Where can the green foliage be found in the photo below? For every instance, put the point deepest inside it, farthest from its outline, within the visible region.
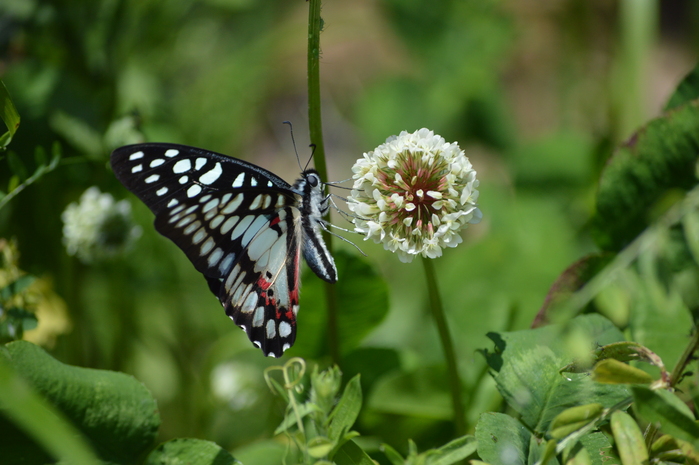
(520, 86)
(115, 412)
(189, 451)
(9, 116)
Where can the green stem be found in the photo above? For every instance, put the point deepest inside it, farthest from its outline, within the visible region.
(447, 346)
(315, 127)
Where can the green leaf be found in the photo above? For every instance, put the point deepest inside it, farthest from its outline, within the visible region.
(502, 439)
(611, 371)
(526, 368)
(290, 418)
(392, 455)
(574, 418)
(16, 286)
(668, 411)
(629, 439)
(351, 454)
(9, 115)
(600, 449)
(319, 446)
(687, 91)
(659, 157)
(359, 312)
(659, 318)
(346, 411)
(453, 451)
(113, 410)
(38, 420)
(190, 452)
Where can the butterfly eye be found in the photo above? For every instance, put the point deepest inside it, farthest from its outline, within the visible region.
(313, 180)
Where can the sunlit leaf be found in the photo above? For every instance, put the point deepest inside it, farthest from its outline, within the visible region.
(686, 91)
(628, 439)
(502, 439)
(190, 451)
(28, 415)
(526, 367)
(345, 413)
(351, 454)
(658, 157)
(9, 115)
(120, 418)
(668, 411)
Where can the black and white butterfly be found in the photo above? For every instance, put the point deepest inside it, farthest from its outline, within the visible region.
(243, 228)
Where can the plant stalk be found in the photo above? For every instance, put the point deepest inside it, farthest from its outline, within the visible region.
(315, 127)
(447, 346)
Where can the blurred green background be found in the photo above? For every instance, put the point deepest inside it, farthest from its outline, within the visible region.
(537, 94)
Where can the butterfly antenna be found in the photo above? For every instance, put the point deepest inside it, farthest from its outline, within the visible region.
(293, 142)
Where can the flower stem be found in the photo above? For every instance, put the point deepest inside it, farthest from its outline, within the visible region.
(447, 346)
(315, 127)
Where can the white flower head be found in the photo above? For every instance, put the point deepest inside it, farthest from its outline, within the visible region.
(97, 227)
(414, 193)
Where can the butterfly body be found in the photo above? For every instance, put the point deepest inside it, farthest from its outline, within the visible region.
(242, 227)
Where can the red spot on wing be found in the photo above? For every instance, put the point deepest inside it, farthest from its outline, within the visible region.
(274, 221)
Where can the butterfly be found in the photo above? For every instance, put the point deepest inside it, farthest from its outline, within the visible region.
(243, 227)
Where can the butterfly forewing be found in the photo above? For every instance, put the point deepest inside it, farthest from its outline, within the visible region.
(240, 225)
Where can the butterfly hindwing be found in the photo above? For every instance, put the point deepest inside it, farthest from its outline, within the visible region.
(241, 226)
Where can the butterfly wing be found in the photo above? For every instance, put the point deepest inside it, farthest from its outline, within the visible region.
(238, 224)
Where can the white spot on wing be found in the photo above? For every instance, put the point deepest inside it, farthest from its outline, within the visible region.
(259, 317)
(212, 175)
(162, 191)
(194, 190)
(285, 347)
(172, 203)
(250, 303)
(136, 156)
(271, 329)
(192, 227)
(199, 163)
(233, 204)
(207, 246)
(172, 153)
(217, 221)
(152, 178)
(199, 236)
(226, 263)
(239, 180)
(230, 222)
(182, 166)
(137, 168)
(211, 205)
(257, 202)
(156, 162)
(242, 226)
(183, 179)
(269, 184)
(284, 329)
(253, 181)
(215, 256)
